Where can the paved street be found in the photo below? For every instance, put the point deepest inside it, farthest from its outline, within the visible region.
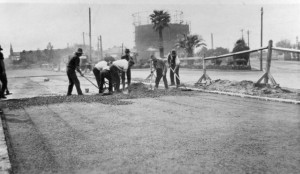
(287, 74)
(201, 133)
(172, 134)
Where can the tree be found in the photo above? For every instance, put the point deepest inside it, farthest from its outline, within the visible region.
(241, 59)
(189, 42)
(285, 43)
(160, 20)
(213, 52)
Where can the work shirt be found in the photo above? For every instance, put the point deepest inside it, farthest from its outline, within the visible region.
(1, 56)
(73, 63)
(127, 57)
(159, 64)
(2, 59)
(121, 64)
(102, 65)
(173, 60)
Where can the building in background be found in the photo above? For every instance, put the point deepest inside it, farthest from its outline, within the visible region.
(146, 38)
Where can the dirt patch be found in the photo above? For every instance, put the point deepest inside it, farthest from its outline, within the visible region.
(250, 88)
(137, 90)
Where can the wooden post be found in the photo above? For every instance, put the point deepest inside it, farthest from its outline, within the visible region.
(204, 67)
(204, 75)
(268, 64)
(261, 36)
(122, 49)
(101, 50)
(151, 64)
(267, 75)
(90, 35)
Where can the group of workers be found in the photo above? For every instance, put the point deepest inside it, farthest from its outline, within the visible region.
(111, 71)
(161, 68)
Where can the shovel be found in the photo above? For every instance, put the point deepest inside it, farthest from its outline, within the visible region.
(185, 88)
(91, 82)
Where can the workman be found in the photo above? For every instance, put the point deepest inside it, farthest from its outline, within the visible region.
(3, 77)
(128, 72)
(174, 63)
(73, 65)
(105, 74)
(117, 67)
(161, 71)
(100, 66)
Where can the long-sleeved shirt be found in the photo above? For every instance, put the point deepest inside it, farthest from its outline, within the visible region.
(121, 64)
(2, 67)
(173, 60)
(102, 65)
(159, 64)
(73, 63)
(127, 57)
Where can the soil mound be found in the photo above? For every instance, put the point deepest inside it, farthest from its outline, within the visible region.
(137, 90)
(251, 88)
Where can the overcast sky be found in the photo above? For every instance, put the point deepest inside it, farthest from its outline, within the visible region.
(32, 24)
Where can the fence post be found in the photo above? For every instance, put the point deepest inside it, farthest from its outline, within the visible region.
(204, 75)
(267, 75)
(268, 64)
(204, 67)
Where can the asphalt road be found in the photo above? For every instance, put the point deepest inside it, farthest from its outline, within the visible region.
(176, 134)
(203, 133)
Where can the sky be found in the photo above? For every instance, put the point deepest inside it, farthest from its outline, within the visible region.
(32, 24)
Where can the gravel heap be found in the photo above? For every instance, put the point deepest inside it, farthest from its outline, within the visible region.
(137, 90)
(250, 88)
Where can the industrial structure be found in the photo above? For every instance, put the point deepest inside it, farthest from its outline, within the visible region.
(146, 38)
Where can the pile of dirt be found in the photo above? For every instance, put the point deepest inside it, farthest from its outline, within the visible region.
(137, 90)
(141, 90)
(251, 88)
(47, 100)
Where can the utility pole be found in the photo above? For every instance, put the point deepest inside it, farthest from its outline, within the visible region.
(98, 48)
(83, 38)
(101, 51)
(242, 34)
(261, 36)
(248, 38)
(90, 34)
(122, 49)
(297, 47)
(212, 41)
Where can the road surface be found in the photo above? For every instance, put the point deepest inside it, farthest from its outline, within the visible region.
(199, 133)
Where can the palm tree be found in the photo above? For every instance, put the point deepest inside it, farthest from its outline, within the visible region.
(160, 20)
(189, 42)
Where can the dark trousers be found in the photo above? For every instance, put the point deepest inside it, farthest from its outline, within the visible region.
(159, 75)
(3, 80)
(73, 80)
(172, 75)
(128, 74)
(98, 78)
(114, 71)
(105, 74)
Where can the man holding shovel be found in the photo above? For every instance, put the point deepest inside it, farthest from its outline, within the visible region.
(98, 68)
(174, 63)
(73, 65)
(118, 67)
(128, 72)
(161, 71)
